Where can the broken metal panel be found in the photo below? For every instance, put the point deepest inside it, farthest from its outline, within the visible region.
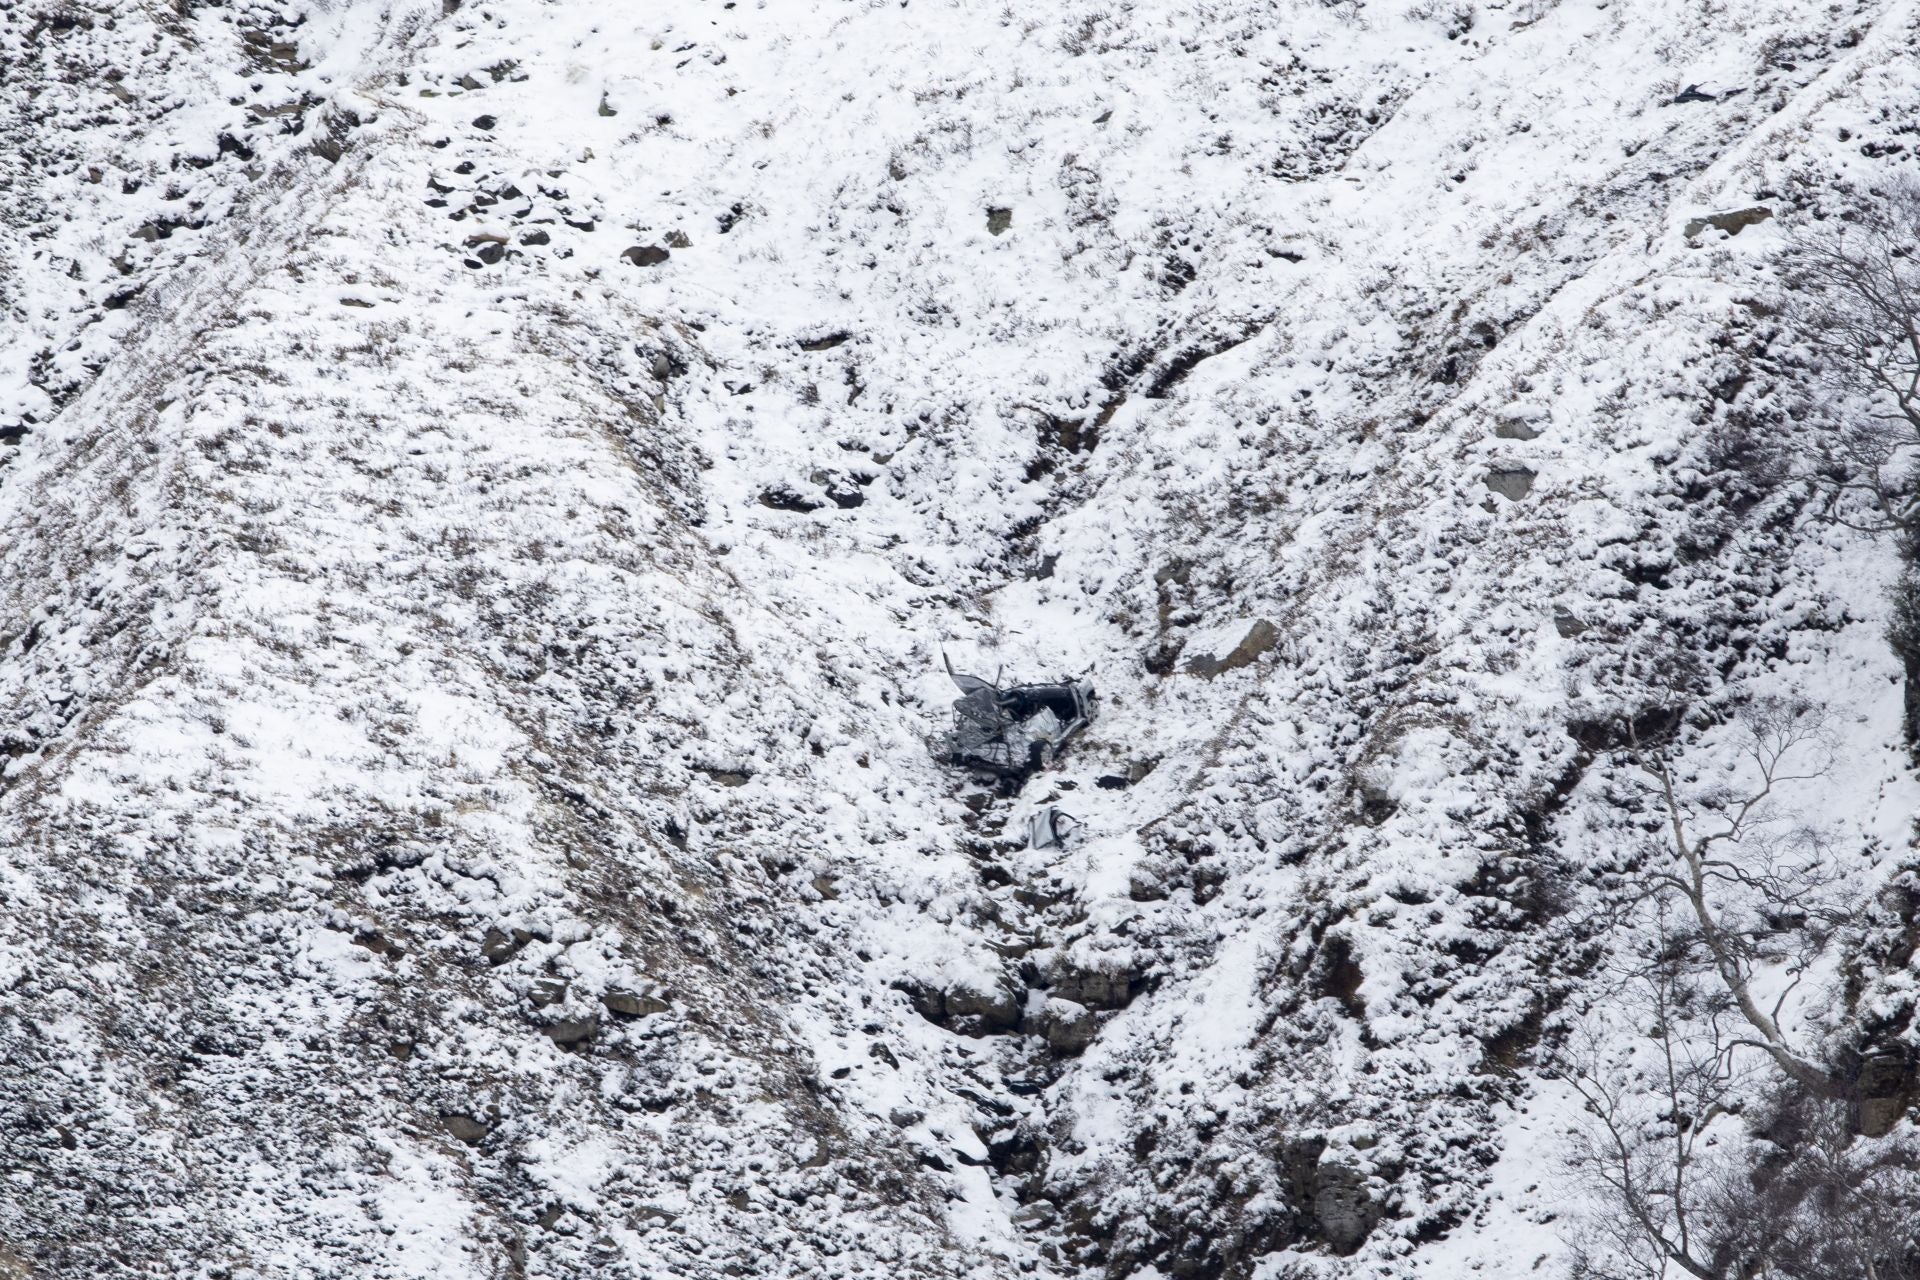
(1050, 828)
(1014, 732)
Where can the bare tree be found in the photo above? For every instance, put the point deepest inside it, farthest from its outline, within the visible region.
(1755, 893)
(1854, 298)
(1642, 1159)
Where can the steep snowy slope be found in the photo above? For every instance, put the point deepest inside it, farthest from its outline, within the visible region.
(489, 486)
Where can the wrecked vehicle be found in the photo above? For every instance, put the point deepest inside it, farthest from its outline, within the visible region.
(1013, 733)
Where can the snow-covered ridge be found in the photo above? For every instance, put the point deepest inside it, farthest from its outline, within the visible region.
(488, 487)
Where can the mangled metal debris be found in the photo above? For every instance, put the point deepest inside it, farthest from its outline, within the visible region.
(1050, 829)
(1013, 733)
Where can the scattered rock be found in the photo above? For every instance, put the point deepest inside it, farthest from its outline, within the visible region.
(678, 240)
(1566, 624)
(535, 238)
(548, 991)
(906, 1117)
(1260, 639)
(1342, 1210)
(999, 221)
(571, 1032)
(646, 255)
(498, 947)
(1731, 223)
(484, 123)
(1513, 483)
(631, 1004)
(488, 250)
(1517, 423)
(785, 499)
(469, 1129)
(1067, 1026)
(827, 343)
(1692, 93)
(842, 490)
(1103, 988)
(968, 1012)
(1885, 1081)
(1147, 884)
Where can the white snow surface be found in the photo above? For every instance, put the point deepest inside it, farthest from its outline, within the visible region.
(425, 623)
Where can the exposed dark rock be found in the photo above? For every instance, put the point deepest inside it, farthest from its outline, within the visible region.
(1731, 223)
(785, 499)
(646, 255)
(571, 1032)
(631, 1004)
(1260, 640)
(1107, 988)
(999, 221)
(1343, 1213)
(469, 1129)
(498, 947)
(969, 1012)
(1884, 1089)
(1513, 483)
(1067, 1027)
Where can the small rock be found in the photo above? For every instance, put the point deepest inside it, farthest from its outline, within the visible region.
(1260, 640)
(535, 238)
(1568, 626)
(906, 1117)
(1513, 483)
(1342, 1209)
(1516, 423)
(646, 255)
(678, 240)
(573, 1031)
(1731, 223)
(469, 1129)
(548, 991)
(785, 499)
(1145, 886)
(999, 221)
(631, 1004)
(498, 947)
(1067, 1027)
(484, 122)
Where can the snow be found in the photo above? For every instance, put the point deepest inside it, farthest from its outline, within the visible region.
(363, 601)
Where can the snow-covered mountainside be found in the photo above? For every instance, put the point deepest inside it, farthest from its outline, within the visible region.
(487, 487)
